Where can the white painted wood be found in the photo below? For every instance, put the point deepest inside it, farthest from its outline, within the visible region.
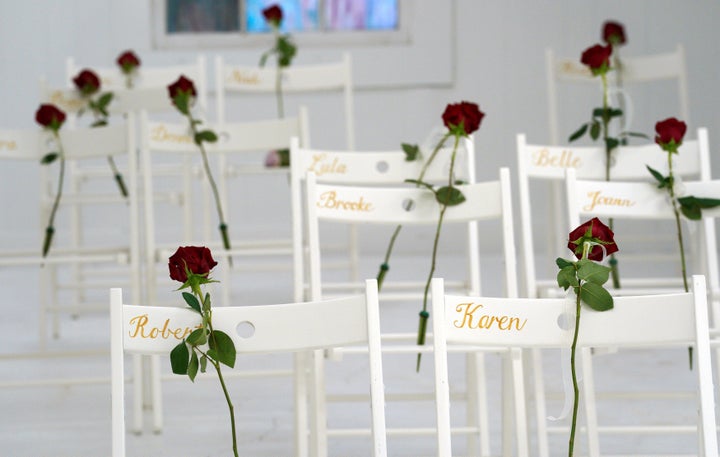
(294, 327)
(670, 320)
(374, 205)
(325, 77)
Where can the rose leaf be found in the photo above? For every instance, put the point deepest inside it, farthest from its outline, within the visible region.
(578, 133)
(192, 301)
(449, 196)
(222, 348)
(49, 158)
(596, 297)
(179, 358)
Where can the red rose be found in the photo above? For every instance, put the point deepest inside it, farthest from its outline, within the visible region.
(273, 14)
(593, 230)
(182, 92)
(182, 86)
(128, 61)
(50, 116)
(597, 58)
(87, 82)
(462, 118)
(195, 258)
(670, 133)
(613, 33)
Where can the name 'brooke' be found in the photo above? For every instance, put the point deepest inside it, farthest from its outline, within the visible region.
(329, 200)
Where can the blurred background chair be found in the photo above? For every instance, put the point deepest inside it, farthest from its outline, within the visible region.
(110, 248)
(236, 81)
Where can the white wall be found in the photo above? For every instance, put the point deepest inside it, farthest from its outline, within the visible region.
(491, 51)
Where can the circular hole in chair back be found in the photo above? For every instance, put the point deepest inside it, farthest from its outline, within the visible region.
(566, 321)
(408, 204)
(245, 329)
(382, 166)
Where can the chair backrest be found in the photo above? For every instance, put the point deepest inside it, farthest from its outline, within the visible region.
(79, 145)
(290, 327)
(411, 206)
(639, 69)
(234, 139)
(366, 168)
(538, 162)
(643, 200)
(336, 76)
(149, 91)
(671, 320)
(176, 190)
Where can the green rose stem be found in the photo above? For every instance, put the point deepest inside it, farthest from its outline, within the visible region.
(98, 110)
(223, 225)
(576, 390)
(385, 266)
(678, 225)
(422, 325)
(208, 317)
(50, 230)
(608, 156)
(278, 76)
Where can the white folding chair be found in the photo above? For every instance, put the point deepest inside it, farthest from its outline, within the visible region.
(544, 163)
(376, 206)
(371, 168)
(644, 201)
(635, 70)
(110, 250)
(296, 327)
(296, 79)
(657, 321)
(149, 91)
(170, 144)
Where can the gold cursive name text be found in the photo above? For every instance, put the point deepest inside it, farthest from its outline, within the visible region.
(486, 321)
(71, 104)
(329, 200)
(566, 159)
(10, 145)
(601, 200)
(320, 166)
(244, 77)
(139, 329)
(160, 133)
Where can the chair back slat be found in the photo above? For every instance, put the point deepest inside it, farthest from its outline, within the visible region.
(402, 205)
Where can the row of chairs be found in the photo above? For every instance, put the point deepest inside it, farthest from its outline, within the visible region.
(538, 153)
(639, 308)
(388, 203)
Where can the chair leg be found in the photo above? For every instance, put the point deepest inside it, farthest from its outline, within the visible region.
(318, 414)
(540, 406)
(301, 361)
(517, 379)
(475, 412)
(156, 393)
(137, 393)
(588, 393)
(42, 312)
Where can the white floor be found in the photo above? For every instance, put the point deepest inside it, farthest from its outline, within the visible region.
(57, 421)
